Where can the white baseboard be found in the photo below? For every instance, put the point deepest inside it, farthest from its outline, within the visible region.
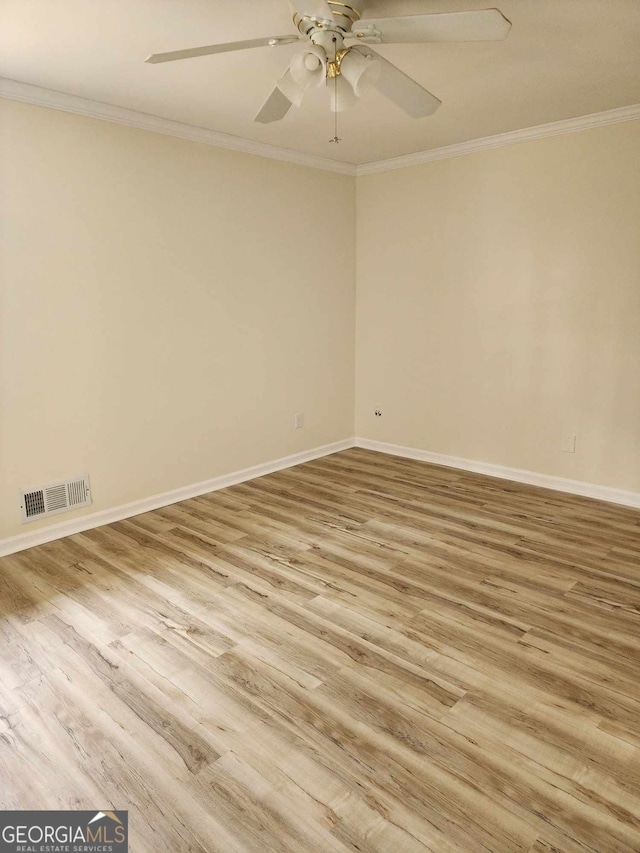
(518, 475)
(13, 544)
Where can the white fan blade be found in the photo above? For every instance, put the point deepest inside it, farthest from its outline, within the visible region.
(312, 9)
(207, 50)
(484, 25)
(401, 89)
(274, 108)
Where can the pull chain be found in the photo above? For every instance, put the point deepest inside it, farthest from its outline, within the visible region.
(336, 138)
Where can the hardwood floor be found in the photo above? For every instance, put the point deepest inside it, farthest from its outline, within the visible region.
(361, 653)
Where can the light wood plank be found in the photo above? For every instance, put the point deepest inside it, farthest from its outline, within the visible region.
(359, 653)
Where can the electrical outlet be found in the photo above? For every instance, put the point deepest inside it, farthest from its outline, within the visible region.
(298, 421)
(568, 442)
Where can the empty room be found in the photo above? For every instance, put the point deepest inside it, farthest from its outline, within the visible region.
(319, 426)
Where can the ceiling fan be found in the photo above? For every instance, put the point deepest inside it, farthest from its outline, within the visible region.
(338, 51)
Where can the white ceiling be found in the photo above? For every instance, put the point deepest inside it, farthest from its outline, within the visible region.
(563, 58)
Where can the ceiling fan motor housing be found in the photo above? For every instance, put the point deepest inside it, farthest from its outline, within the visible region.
(345, 15)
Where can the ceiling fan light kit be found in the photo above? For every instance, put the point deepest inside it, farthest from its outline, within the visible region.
(309, 67)
(338, 54)
(360, 70)
(341, 96)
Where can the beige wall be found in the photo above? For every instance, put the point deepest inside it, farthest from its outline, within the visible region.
(499, 306)
(163, 312)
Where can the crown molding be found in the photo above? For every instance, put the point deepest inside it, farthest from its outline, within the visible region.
(500, 140)
(16, 91)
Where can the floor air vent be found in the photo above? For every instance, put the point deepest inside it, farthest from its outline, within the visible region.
(55, 498)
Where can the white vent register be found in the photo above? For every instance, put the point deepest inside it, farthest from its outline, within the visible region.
(55, 498)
